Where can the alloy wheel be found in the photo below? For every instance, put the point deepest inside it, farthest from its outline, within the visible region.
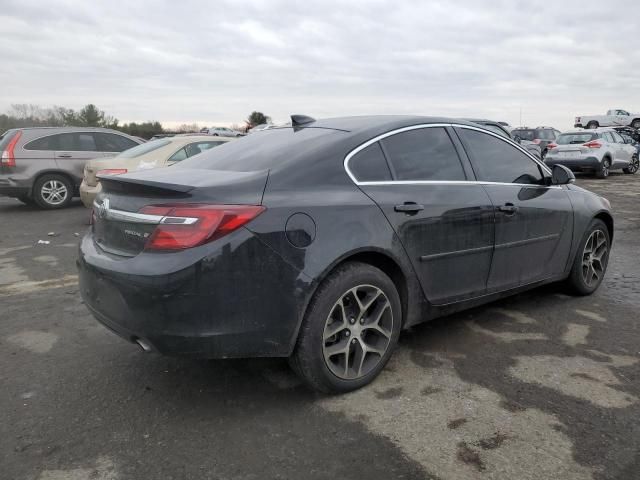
(605, 168)
(635, 164)
(594, 257)
(54, 192)
(357, 332)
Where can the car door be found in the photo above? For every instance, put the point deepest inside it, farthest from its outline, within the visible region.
(623, 151)
(443, 221)
(73, 149)
(534, 220)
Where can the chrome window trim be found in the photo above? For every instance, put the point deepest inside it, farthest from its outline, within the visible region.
(427, 182)
(134, 217)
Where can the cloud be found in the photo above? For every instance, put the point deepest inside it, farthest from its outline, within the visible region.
(195, 61)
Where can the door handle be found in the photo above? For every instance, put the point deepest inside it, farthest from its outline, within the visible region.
(508, 208)
(66, 155)
(409, 208)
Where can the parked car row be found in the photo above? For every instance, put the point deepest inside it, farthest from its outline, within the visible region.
(321, 241)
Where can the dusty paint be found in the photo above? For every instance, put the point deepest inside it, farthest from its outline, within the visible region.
(576, 334)
(577, 376)
(506, 336)
(33, 340)
(591, 315)
(103, 469)
(419, 425)
(19, 288)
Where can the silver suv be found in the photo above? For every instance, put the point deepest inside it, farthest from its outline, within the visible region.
(598, 151)
(44, 165)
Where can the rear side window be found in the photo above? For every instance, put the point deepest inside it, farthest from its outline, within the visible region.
(423, 154)
(110, 142)
(44, 143)
(68, 142)
(545, 134)
(524, 134)
(495, 160)
(369, 165)
(178, 156)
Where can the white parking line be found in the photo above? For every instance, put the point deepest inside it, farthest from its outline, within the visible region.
(19, 288)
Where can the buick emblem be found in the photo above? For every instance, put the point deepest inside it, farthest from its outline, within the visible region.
(103, 209)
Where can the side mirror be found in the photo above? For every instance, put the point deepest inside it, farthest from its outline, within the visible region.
(561, 175)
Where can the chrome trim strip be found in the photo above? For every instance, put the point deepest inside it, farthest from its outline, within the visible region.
(456, 182)
(133, 217)
(469, 251)
(427, 182)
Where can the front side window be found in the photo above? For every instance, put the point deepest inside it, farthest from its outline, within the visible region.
(423, 154)
(369, 165)
(607, 137)
(495, 160)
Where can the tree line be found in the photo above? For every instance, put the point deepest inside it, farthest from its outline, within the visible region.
(27, 115)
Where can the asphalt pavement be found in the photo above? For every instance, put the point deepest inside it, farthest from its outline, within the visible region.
(542, 385)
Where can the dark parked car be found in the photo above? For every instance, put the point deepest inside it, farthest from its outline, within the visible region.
(501, 129)
(541, 136)
(321, 241)
(44, 165)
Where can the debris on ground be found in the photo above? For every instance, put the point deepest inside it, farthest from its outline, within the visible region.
(43, 242)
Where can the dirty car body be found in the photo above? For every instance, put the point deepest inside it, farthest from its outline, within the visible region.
(300, 202)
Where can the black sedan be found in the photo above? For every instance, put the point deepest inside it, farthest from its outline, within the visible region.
(323, 240)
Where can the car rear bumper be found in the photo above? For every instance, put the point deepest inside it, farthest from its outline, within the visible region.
(88, 194)
(239, 299)
(13, 188)
(575, 164)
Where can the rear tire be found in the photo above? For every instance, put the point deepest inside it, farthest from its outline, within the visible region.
(350, 329)
(633, 166)
(52, 191)
(636, 123)
(604, 169)
(590, 262)
(592, 125)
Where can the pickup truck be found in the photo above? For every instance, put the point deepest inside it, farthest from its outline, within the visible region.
(613, 118)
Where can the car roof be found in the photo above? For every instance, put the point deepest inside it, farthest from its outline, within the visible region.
(72, 129)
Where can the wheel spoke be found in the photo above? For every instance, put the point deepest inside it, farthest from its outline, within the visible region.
(338, 324)
(339, 348)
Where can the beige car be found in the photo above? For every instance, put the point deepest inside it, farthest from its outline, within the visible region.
(154, 154)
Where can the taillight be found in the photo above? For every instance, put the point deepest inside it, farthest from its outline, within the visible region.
(577, 119)
(8, 158)
(190, 225)
(552, 145)
(111, 171)
(593, 144)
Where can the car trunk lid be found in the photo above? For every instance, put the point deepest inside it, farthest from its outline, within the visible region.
(120, 224)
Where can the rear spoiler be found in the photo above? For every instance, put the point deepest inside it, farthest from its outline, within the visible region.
(228, 186)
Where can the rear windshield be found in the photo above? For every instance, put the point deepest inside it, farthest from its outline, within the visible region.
(524, 134)
(545, 134)
(262, 151)
(575, 138)
(144, 148)
(5, 138)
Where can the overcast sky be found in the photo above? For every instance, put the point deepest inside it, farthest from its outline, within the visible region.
(215, 62)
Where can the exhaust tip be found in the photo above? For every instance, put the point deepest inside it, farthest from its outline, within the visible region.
(146, 346)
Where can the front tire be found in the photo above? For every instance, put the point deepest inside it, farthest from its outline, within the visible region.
(350, 329)
(592, 257)
(52, 191)
(634, 165)
(636, 123)
(592, 125)
(604, 169)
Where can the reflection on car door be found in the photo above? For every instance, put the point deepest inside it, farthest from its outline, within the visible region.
(73, 150)
(533, 222)
(444, 222)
